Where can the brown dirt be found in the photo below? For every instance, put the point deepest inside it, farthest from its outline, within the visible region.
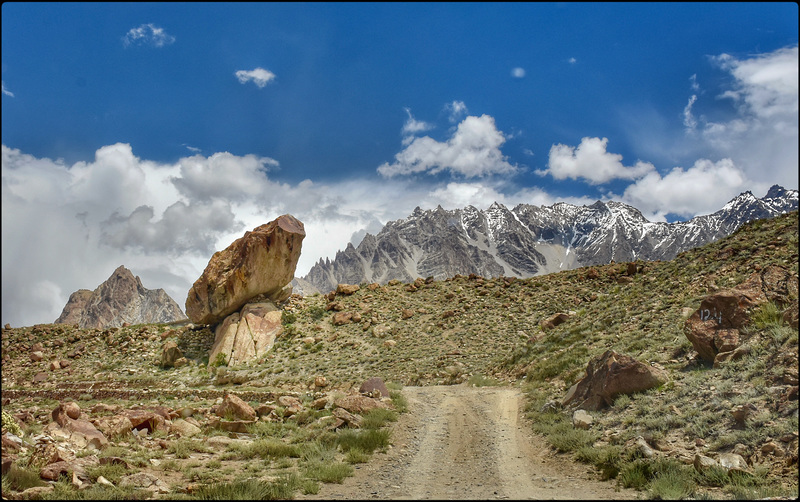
(461, 442)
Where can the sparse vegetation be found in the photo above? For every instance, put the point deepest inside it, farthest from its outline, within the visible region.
(462, 331)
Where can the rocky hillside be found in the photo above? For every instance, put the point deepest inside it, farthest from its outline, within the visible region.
(474, 330)
(530, 240)
(120, 299)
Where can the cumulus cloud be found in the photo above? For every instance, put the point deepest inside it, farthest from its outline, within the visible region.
(68, 226)
(222, 175)
(259, 76)
(182, 228)
(413, 126)
(702, 189)
(592, 162)
(572, 60)
(762, 136)
(147, 34)
(6, 91)
(455, 111)
(518, 72)
(472, 151)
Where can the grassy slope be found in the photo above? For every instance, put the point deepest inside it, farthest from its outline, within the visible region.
(462, 328)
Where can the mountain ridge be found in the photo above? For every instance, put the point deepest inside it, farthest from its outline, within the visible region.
(530, 240)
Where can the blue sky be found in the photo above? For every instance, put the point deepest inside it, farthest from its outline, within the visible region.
(153, 134)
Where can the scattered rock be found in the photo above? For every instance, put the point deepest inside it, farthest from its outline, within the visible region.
(714, 327)
(733, 462)
(170, 353)
(554, 320)
(581, 419)
(703, 463)
(346, 417)
(341, 318)
(236, 407)
(346, 289)
(358, 404)
(610, 375)
(373, 385)
(184, 428)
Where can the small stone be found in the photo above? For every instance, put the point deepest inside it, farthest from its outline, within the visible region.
(581, 419)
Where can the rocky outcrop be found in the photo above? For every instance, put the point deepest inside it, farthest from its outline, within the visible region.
(247, 335)
(261, 263)
(714, 329)
(120, 299)
(609, 375)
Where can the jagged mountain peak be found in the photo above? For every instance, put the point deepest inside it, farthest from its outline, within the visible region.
(531, 240)
(120, 298)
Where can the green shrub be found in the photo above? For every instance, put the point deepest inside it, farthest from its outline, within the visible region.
(377, 418)
(672, 481)
(482, 381)
(327, 472)
(357, 456)
(250, 489)
(608, 459)
(112, 472)
(367, 440)
(767, 315)
(10, 424)
(399, 401)
(21, 478)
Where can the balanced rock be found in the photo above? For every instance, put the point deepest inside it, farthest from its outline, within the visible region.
(246, 335)
(121, 298)
(262, 262)
(609, 375)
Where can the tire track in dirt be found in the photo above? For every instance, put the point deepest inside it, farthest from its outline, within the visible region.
(459, 442)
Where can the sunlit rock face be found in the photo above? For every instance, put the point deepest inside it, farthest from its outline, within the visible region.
(259, 264)
(120, 299)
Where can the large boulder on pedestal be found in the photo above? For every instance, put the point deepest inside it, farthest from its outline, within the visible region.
(262, 262)
(609, 375)
(247, 335)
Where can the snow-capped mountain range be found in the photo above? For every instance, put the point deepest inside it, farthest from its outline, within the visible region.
(531, 240)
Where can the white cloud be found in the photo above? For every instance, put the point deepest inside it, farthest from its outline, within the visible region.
(762, 137)
(223, 175)
(693, 80)
(473, 150)
(766, 85)
(6, 91)
(147, 34)
(518, 72)
(592, 162)
(572, 60)
(455, 111)
(413, 126)
(259, 76)
(702, 189)
(688, 119)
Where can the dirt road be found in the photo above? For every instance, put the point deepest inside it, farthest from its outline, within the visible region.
(459, 442)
